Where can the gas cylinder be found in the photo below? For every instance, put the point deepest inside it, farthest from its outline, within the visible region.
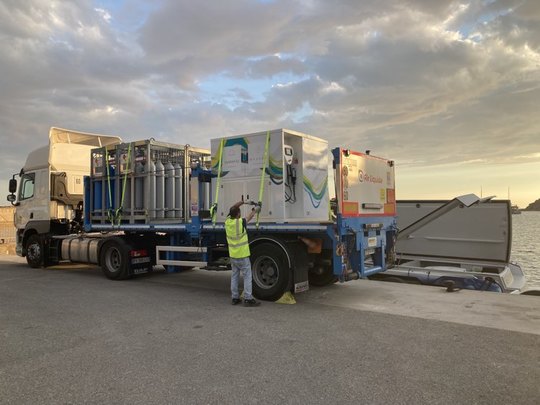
(160, 190)
(169, 190)
(139, 185)
(177, 190)
(110, 189)
(125, 193)
(206, 196)
(150, 189)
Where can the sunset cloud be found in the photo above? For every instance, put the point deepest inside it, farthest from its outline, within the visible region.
(426, 83)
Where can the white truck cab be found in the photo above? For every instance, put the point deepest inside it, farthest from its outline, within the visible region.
(49, 195)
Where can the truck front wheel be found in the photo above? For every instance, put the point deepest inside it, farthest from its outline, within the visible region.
(271, 274)
(34, 251)
(114, 259)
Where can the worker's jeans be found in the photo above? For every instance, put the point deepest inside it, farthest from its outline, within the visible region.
(244, 266)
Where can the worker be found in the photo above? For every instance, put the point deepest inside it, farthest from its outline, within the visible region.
(237, 239)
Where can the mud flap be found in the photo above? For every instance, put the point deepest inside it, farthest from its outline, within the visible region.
(299, 267)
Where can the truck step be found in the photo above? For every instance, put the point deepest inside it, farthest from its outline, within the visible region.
(180, 262)
(188, 263)
(193, 249)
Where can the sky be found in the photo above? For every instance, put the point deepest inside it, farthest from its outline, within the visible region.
(449, 90)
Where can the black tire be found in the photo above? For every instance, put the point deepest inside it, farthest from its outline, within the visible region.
(271, 273)
(319, 276)
(35, 253)
(114, 258)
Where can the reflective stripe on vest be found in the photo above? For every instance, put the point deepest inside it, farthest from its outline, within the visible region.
(237, 238)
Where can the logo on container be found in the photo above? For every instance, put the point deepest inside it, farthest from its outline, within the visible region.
(368, 178)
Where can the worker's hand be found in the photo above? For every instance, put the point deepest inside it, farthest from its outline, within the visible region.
(256, 209)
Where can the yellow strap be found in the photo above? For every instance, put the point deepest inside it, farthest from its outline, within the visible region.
(218, 182)
(109, 209)
(118, 212)
(261, 186)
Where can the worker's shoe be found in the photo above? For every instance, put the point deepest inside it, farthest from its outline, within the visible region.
(236, 301)
(251, 303)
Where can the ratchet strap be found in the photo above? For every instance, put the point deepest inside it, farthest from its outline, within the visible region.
(118, 212)
(263, 171)
(110, 215)
(213, 208)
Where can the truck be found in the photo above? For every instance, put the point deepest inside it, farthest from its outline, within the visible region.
(131, 206)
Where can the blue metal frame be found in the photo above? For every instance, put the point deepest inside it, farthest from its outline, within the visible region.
(351, 240)
(87, 205)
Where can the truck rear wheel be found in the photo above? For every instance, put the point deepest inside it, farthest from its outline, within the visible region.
(321, 276)
(114, 259)
(271, 274)
(35, 251)
(321, 272)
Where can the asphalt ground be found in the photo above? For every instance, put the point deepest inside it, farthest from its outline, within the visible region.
(69, 335)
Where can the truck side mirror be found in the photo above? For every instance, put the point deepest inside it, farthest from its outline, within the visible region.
(11, 198)
(12, 186)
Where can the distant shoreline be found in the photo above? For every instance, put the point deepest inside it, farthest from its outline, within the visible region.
(534, 206)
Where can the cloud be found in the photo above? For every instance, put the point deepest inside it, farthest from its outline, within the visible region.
(424, 82)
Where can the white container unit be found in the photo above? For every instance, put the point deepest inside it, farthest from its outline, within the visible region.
(295, 182)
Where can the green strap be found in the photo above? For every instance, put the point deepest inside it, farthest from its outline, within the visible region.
(213, 208)
(118, 212)
(109, 209)
(261, 186)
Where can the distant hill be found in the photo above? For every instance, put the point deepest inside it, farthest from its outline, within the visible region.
(534, 206)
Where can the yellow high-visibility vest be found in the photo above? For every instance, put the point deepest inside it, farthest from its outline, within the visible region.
(237, 238)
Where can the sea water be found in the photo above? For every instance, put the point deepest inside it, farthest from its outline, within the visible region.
(526, 245)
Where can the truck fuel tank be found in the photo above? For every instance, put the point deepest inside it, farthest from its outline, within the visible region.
(80, 249)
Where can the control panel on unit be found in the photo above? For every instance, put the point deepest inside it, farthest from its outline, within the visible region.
(288, 153)
(290, 183)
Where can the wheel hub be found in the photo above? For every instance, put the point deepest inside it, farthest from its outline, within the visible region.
(34, 251)
(265, 272)
(113, 260)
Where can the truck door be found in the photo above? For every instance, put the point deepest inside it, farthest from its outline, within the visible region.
(33, 201)
(26, 194)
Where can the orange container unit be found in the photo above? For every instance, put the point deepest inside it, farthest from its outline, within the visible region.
(365, 185)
